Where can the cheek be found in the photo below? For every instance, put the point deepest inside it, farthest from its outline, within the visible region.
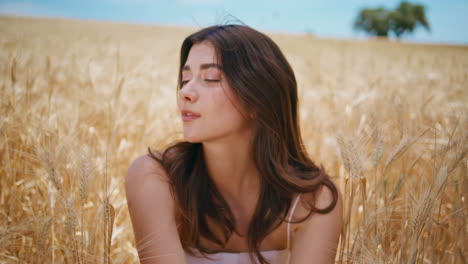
(225, 109)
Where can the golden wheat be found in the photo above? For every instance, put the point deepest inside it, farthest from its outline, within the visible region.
(81, 100)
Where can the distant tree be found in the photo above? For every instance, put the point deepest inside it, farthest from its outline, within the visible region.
(406, 17)
(374, 21)
(381, 21)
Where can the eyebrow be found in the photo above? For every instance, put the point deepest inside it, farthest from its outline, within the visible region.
(204, 66)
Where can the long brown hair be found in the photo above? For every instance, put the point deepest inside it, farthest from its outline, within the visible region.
(265, 84)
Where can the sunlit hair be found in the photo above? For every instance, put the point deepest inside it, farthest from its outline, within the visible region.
(264, 82)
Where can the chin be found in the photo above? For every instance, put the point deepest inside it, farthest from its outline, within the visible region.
(192, 138)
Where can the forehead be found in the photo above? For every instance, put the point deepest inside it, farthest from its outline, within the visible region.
(201, 53)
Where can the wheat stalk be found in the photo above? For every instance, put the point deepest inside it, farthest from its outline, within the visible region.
(66, 108)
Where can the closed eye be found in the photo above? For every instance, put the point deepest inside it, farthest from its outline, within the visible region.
(183, 83)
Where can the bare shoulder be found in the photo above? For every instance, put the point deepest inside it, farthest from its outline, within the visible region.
(318, 236)
(146, 181)
(325, 196)
(151, 207)
(321, 199)
(143, 166)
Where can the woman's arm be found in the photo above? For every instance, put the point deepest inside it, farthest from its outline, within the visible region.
(151, 208)
(316, 240)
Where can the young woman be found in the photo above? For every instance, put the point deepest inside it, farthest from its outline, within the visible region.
(240, 188)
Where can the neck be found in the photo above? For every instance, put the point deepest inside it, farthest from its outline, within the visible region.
(233, 171)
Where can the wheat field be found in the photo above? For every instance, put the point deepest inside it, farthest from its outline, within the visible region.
(81, 100)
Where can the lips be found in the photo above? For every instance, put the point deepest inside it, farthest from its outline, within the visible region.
(188, 115)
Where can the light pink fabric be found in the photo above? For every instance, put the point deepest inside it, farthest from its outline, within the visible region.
(273, 256)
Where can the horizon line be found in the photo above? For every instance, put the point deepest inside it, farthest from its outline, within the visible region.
(269, 31)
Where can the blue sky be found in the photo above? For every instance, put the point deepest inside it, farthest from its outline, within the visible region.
(327, 18)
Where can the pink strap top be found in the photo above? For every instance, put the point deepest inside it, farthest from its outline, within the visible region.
(273, 256)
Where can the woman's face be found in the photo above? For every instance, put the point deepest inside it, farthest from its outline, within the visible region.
(206, 92)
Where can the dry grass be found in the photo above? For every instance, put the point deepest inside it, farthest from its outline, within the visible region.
(80, 100)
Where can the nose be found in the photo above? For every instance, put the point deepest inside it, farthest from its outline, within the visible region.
(188, 93)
